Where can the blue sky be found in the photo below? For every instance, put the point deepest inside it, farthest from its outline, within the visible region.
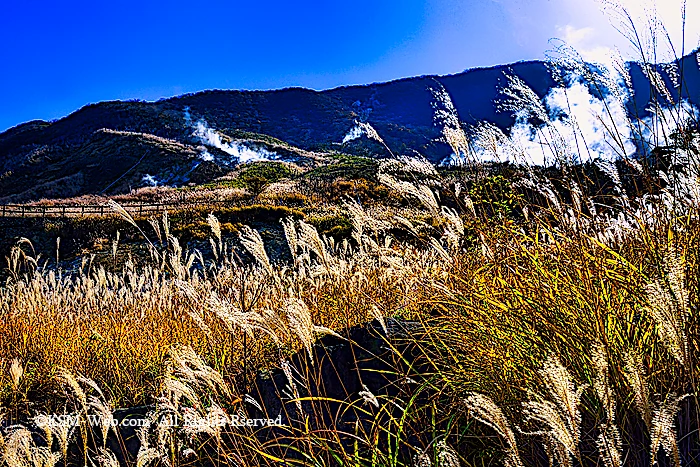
(59, 56)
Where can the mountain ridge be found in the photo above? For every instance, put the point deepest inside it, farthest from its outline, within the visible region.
(38, 152)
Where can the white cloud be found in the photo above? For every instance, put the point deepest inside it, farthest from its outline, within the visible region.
(669, 13)
(574, 35)
(589, 26)
(585, 41)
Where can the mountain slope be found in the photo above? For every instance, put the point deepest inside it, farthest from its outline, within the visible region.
(169, 138)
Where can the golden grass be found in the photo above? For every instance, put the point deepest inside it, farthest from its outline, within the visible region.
(558, 322)
(494, 313)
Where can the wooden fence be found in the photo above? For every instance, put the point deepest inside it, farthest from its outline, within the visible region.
(75, 210)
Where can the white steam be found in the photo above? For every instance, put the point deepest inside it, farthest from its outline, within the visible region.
(578, 127)
(239, 151)
(354, 133)
(150, 180)
(574, 126)
(665, 118)
(582, 127)
(363, 129)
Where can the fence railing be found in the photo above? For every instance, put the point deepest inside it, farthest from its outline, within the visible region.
(75, 210)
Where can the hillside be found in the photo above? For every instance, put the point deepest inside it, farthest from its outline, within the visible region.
(281, 291)
(111, 147)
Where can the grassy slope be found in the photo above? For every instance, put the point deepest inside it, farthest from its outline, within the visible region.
(576, 320)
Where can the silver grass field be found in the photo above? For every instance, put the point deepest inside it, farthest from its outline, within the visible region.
(559, 325)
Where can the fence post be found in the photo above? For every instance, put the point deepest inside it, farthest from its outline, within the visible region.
(140, 209)
(23, 210)
(3, 210)
(43, 212)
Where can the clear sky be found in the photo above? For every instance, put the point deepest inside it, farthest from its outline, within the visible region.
(58, 56)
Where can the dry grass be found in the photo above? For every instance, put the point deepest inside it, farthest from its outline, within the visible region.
(496, 312)
(565, 322)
